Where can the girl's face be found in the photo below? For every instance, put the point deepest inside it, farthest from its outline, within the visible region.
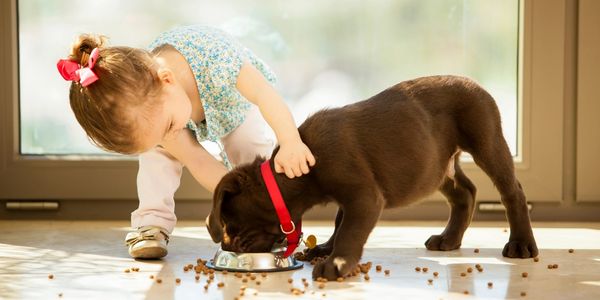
(168, 119)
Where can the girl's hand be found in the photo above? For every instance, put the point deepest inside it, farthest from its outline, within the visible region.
(293, 158)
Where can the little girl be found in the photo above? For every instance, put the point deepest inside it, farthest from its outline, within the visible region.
(195, 84)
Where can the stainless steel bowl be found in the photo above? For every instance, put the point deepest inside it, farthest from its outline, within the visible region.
(254, 262)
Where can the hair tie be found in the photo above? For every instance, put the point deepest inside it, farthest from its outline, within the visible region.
(73, 71)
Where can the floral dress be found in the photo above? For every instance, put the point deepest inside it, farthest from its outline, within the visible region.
(215, 59)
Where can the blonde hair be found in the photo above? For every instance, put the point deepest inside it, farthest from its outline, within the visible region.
(108, 108)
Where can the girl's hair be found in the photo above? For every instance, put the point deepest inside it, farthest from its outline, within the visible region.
(108, 108)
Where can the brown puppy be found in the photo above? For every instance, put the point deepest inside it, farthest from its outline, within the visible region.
(387, 151)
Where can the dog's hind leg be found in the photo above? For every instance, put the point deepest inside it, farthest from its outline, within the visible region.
(325, 248)
(496, 161)
(460, 192)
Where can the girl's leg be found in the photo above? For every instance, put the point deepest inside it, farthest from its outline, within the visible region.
(251, 138)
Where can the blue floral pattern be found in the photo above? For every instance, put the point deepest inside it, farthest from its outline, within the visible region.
(215, 59)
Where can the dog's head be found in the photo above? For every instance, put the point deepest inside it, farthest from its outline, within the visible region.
(243, 218)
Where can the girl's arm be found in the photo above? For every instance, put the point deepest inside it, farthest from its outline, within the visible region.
(294, 156)
(206, 169)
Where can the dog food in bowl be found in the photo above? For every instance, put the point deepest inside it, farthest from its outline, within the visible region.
(253, 262)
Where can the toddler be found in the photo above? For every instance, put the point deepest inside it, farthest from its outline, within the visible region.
(194, 84)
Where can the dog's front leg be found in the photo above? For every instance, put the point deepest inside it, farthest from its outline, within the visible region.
(325, 248)
(359, 219)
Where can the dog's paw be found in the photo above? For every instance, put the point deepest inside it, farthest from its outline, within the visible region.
(318, 251)
(520, 249)
(333, 267)
(442, 243)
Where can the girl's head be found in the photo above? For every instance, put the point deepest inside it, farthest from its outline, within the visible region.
(124, 110)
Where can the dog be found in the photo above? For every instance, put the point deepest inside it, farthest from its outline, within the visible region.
(387, 151)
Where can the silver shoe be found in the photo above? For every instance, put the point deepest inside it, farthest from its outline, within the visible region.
(148, 242)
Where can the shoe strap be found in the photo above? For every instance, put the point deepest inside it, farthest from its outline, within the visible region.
(150, 233)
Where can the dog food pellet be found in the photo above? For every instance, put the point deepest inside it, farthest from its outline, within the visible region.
(252, 277)
(225, 272)
(418, 269)
(378, 268)
(158, 280)
(177, 280)
(245, 280)
(290, 280)
(340, 279)
(430, 281)
(387, 272)
(60, 295)
(263, 274)
(50, 276)
(435, 274)
(321, 285)
(127, 270)
(238, 275)
(463, 274)
(469, 269)
(197, 277)
(367, 277)
(554, 266)
(536, 259)
(303, 279)
(306, 284)
(523, 294)
(524, 274)
(185, 269)
(248, 274)
(151, 276)
(466, 292)
(258, 282)
(425, 269)
(476, 250)
(490, 284)
(477, 266)
(189, 266)
(571, 250)
(206, 287)
(504, 230)
(220, 284)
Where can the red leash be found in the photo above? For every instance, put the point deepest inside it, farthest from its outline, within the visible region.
(287, 226)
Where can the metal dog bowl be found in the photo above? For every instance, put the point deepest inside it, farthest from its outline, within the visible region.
(253, 262)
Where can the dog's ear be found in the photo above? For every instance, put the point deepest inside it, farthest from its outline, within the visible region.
(228, 187)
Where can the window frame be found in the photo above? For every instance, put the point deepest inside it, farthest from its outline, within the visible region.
(539, 167)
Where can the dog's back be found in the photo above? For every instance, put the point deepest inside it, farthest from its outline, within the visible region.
(402, 137)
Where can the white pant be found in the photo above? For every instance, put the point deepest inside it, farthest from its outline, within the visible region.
(159, 173)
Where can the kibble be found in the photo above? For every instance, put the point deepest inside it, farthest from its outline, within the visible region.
(50, 276)
(60, 295)
(571, 250)
(476, 250)
(258, 282)
(263, 274)
(466, 292)
(252, 277)
(127, 270)
(536, 259)
(430, 281)
(378, 268)
(340, 279)
(469, 269)
(524, 274)
(435, 274)
(418, 269)
(463, 274)
(158, 280)
(206, 287)
(245, 280)
(197, 277)
(387, 272)
(290, 280)
(490, 284)
(151, 276)
(554, 266)
(220, 284)
(321, 285)
(523, 294)
(367, 277)
(177, 280)
(425, 269)
(185, 269)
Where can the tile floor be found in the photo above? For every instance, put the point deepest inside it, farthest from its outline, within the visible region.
(87, 261)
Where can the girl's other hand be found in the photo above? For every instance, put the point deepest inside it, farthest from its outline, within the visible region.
(293, 159)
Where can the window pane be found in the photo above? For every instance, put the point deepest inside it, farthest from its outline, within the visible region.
(325, 54)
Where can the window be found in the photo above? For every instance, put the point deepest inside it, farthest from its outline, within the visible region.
(324, 54)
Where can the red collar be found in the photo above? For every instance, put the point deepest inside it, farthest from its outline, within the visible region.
(287, 226)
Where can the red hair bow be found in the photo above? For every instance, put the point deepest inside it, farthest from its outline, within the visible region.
(73, 71)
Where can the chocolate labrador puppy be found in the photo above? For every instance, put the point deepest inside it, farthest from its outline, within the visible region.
(387, 151)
